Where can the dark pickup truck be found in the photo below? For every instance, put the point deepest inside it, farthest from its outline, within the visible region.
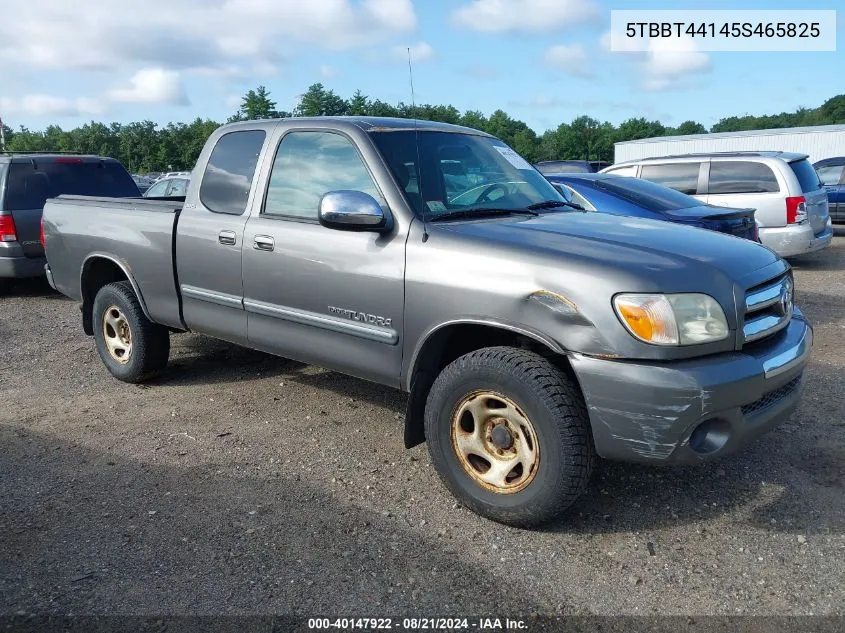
(530, 336)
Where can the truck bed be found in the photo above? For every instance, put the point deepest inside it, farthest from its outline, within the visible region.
(137, 234)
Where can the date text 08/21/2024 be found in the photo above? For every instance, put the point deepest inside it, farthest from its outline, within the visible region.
(418, 624)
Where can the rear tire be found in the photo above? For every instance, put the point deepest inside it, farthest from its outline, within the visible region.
(529, 471)
(132, 347)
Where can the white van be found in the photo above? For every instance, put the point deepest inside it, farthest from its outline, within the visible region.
(784, 189)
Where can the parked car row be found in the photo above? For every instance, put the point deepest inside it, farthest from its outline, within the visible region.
(793, 204)
(531, 335)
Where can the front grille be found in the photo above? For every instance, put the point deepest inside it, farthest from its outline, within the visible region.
(772, 397)
(768, 308)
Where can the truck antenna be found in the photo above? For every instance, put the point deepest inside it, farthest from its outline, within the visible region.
(417, 142)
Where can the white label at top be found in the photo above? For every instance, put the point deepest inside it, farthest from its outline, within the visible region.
(730, 30)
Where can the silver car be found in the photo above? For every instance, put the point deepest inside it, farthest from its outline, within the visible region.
(168, 187)
(791, 204)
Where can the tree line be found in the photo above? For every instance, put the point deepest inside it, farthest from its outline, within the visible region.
(145, 146)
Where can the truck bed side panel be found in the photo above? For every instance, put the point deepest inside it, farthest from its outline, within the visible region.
(136, 234)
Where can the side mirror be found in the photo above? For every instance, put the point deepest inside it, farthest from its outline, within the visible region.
(352, 211)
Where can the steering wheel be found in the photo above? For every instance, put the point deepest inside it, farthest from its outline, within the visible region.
(485, 195)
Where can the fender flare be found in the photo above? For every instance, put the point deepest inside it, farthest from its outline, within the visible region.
(126, 271)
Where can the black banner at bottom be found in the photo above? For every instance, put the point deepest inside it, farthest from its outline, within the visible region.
(526, 624)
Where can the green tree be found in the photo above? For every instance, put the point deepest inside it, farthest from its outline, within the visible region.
(637, 128)
(359, 104)
(257, 104)
(317, 101)
(689, 127)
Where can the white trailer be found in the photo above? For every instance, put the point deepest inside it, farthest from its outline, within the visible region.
(821, 141)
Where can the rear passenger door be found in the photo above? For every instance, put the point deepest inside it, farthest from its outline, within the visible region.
(686, 177)
(324, 296)
(210, 235)
(748, 184)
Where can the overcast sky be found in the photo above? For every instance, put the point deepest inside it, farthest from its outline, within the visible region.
(543, 61)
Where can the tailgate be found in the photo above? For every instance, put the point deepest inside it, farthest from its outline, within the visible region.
(814, 195)
(28, 229)
(817, 209)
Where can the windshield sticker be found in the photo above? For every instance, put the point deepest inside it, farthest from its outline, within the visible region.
(436, 206)
(512, 157)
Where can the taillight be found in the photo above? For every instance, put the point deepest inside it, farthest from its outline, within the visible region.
(67, 159)
(796, 209)
(41, 233)
(8, 233)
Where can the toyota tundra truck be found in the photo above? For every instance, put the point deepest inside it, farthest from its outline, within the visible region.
(531, 336)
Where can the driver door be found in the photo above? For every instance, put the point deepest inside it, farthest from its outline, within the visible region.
(324, 296)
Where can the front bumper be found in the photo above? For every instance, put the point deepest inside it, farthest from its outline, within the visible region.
(694, 410)
(796, 239)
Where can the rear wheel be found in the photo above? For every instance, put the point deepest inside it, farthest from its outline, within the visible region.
(509, 435)
(132, 347)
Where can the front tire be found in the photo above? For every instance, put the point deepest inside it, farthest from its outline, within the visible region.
(132, 347)
(509, 435)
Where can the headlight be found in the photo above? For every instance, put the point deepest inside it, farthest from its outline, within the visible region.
(678, 319)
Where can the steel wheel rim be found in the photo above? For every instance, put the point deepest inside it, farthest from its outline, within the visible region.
(117, 335)
(494, 466)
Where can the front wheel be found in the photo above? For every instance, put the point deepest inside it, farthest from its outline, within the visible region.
(132, 347)
(509, 435)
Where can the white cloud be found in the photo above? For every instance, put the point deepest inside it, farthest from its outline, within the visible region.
(571, 59)
(671, 63)
(152, 85)
(233, 101)
(327, 72)
(35, 105)
(532, 16)
(189, 34)
(420, 52)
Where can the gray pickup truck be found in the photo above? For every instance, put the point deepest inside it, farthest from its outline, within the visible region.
(530, 336)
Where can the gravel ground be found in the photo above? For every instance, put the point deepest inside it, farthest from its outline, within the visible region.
(240, 483)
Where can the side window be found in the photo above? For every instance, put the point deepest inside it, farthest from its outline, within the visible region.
(831, 174)
(310, 164)
(228, 175)
(157, 190)
(681, 177)
(178, 187)
(742, 177)
(630, 171)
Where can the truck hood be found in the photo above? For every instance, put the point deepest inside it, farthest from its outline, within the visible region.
(638, 244)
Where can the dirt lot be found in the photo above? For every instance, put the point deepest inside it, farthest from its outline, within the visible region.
(242, 483)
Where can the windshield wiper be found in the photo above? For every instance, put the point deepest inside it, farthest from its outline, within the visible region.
(551, 204)
(480, 212)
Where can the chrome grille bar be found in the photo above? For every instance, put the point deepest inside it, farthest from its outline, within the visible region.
(764, 311)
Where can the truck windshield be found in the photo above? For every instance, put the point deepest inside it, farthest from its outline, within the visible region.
(30, 184)
(450, 171)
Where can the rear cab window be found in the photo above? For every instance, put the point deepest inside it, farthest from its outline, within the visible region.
(807, 177)
(681, 177)
(227, 179)
(29, 184)
(742, 176)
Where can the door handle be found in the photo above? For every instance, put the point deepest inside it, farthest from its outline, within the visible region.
(228, 238)
(263, 243)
